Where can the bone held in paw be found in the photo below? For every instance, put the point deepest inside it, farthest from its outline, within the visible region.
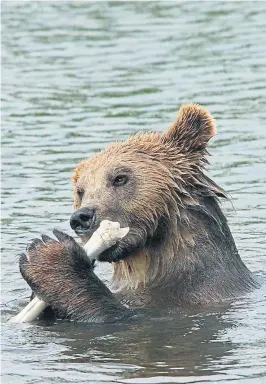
(104, 237)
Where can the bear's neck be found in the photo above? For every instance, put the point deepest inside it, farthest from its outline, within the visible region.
(197, 251)
(154, 264)
(133, 272)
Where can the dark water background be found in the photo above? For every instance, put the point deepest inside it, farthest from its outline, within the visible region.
(76, 76)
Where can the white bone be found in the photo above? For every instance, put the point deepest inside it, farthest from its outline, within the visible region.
(107, 234)
(30, 312)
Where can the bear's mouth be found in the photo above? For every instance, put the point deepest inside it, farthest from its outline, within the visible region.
(83, 232)
(126, 247)
(87, 228)
(84, 235)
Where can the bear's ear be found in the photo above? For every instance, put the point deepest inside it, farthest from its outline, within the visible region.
(192, 130)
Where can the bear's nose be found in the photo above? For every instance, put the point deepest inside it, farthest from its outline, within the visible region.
(82, 219)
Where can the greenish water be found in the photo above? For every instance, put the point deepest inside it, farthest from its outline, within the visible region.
(76, 76)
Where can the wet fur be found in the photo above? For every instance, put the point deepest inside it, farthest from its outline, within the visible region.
(179, 250)
(191, 249)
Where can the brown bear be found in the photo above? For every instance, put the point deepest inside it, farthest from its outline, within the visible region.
(179, 250)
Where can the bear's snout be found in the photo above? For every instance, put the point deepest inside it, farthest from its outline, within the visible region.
(83, 219)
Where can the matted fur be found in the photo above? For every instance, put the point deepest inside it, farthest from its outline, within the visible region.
(172, 188)
(179, 250)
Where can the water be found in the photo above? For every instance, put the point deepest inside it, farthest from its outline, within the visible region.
(77, 76)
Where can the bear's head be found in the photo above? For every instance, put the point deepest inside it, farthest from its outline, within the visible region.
(147, 183)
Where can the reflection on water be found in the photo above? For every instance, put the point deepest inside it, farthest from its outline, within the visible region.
(79, 75)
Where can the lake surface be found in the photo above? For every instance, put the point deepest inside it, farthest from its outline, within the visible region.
(76, 76)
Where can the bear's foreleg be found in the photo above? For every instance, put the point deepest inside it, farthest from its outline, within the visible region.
(61, 274)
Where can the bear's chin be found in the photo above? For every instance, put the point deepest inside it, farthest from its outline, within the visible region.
(117, 252)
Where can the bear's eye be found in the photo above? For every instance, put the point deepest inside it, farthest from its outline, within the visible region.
(120, 180)
(80, 193)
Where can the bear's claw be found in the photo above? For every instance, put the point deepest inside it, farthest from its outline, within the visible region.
(47, 239)
(23, 263)
(33, 245)
(23, 259)
(62, 236)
